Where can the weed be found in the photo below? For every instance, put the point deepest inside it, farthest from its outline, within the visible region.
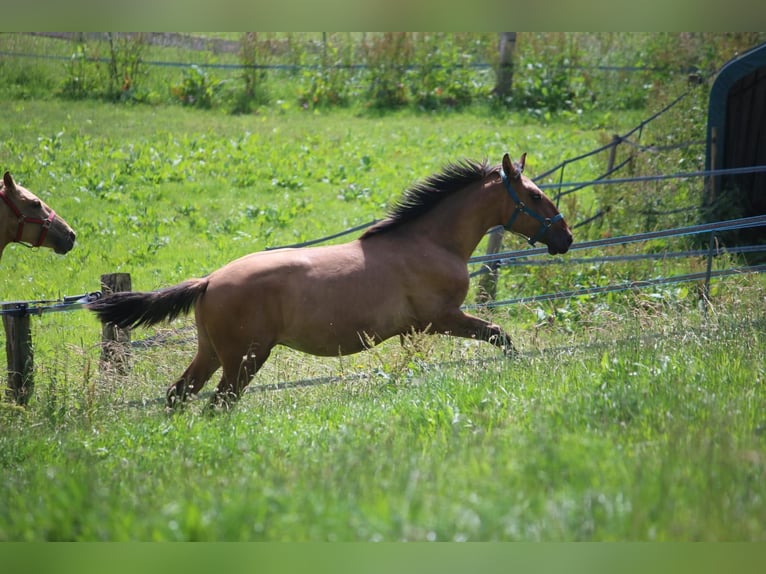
(197, 89)
(82, 75)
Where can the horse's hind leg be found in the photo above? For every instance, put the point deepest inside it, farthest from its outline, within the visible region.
(237, 374)
(193, 379)
(202, 367)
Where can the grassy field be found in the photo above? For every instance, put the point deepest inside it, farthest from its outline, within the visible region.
(635, 416)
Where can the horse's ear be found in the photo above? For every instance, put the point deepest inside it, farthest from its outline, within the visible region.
(513, 170)
(509, 168)
(8, 181)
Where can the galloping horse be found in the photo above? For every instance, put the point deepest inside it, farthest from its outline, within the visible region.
(35, 224)
(406, 273)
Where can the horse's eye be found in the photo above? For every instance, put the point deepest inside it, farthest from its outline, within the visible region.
(36, 204)
(536, 197)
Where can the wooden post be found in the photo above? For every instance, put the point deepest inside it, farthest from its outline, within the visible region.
(488, 282)
(18, 349)
(115, 342)
(612, 153)
(505, 65)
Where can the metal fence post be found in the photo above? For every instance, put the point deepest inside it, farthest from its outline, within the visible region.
(708, 271)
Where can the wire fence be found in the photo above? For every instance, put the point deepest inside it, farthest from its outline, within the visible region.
(521, 257)
(567, 188)
(185, 335)
(575, 186)
(482, 52)
(296, 67)
(67, 303)
(641, 338)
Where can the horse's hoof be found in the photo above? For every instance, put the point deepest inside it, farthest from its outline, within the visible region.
(174, 399)
(510, 352)
(221, 401)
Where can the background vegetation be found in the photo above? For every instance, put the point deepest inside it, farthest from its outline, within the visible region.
(426, 71)
(635, 415)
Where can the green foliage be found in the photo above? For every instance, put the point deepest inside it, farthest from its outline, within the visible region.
(387, 58)
(115, 74)
(330, 82)
(544, 76)
(559, 71)
(554, 72)
(443, 77)
(254, 54)
(198, 88)
(82, 75)
(125, 67)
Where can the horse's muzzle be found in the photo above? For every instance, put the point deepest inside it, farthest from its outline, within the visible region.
(559, 241)
(64, 242)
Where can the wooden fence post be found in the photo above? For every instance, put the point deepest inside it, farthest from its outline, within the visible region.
(505, 65)
(612, 153)
(487, 288)
(19, 353)
(115, 342)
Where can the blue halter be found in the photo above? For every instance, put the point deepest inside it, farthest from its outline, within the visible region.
(521, 207)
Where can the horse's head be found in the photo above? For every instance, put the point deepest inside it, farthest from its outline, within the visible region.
(29, 221)
(529, 212)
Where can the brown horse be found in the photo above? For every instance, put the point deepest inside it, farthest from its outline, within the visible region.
(406, 273)
(25, 219)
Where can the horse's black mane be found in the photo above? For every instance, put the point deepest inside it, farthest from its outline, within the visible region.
(424, 195)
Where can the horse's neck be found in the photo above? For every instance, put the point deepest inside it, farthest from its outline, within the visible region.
(5, 223)
(460, 222)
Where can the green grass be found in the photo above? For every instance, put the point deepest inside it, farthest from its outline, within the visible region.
(632, 416)
(640, 439)
(164, 176)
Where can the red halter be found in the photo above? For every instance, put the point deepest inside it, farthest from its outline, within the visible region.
(44, 224)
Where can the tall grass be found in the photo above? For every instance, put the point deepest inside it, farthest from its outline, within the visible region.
(634, 437)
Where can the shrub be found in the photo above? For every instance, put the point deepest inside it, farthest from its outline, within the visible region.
(330, 83)
(125, 67)
(197, 88)
(387, 57)
(443, 75)
(83, 75)
(545, 73)
(254, 55)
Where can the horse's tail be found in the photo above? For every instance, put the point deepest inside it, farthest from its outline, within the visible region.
(134, 308)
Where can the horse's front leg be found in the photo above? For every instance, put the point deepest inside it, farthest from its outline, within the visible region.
(461, 324)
